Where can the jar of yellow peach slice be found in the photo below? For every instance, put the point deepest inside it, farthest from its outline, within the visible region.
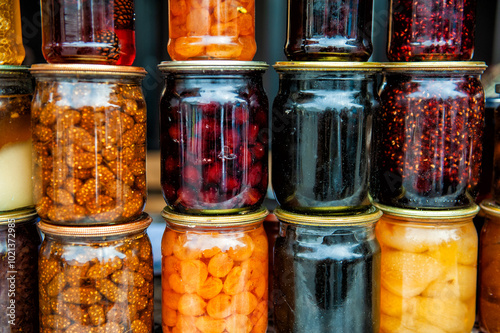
(214, 276)
(429, 266)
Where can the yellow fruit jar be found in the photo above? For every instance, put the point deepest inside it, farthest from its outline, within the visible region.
(96, 279)
(429, 265)
(489, 269)
(214, 273)
(11, 39)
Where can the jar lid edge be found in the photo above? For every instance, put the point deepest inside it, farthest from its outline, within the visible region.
(438, 66)
(86, 69)
(21, 215)
(212, 65)
(429, 214)
(217, 220)
(327, 66)
(490, 207)
(371, 215)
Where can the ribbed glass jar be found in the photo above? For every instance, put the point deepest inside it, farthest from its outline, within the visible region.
(214, 273)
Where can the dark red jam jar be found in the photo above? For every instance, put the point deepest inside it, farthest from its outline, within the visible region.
(431, 30)
(214, 136)
(427, 135)
(327, 30)
(94, 32)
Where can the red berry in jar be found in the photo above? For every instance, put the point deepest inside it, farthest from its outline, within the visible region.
(220, 165)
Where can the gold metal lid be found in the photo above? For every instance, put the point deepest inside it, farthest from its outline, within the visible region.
(11, 68)
(450, 215)
(490, 208)
(87, 69)
(210, 66)
(371, 215)
(109, 230)
(328, 66)
(214, 221)
(18, 216)
(435, 66)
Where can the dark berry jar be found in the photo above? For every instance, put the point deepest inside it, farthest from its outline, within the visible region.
(214, 136)
(329, 30)
(427, 135)
(93, 32)
(327, 273)
(431, 30)
(321, 131)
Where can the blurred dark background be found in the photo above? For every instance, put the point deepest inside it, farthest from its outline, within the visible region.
(152, 38)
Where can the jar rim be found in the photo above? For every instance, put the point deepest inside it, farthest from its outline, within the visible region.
(210, 66)
(328, 66)
(490, 207)
(87, 69)
(433, 216)
(140, 224)
(242, 218)
(435, 66)
(6, 69)
(371, 215)
(18, 216)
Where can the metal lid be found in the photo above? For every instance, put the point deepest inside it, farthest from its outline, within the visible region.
(210, 66)
(214, 221)
(87, 69)
(18, 216)
(490, 208)
(450, 215)
(434, 66)
(328, 66)
(11, 68)
(109, 230)
(371, 215)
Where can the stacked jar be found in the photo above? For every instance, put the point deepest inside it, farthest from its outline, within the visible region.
(327, 259)
(427, 147)
(19, 239)
(214, 170)
(89, 171)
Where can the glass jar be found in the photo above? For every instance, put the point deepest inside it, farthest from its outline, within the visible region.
(214, 136)
(329, 30)
(16, 92)
(489, 269)
(496, 160)
(19, 241)
(89, 143)
(429, 30)
(211, 29)
(88, 32)
(11, 38)
(427, 135)
(429, 266)
(214, 273)
(327, 273)
(96, 278)
(322, 120)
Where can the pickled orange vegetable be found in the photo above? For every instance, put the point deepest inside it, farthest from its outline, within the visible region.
(212, 29)
(214, 282)
(428, 276)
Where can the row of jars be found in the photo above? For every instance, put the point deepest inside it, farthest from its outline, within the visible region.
(104, 32)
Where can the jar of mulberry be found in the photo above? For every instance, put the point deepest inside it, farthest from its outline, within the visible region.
(429, 267)
(329, 30)
(327, 273)
(489, 268)
(214, 273)
(429, 30)
(214, 136)
(427, 135)
(89, 143)
(16, 92)
(19, 242)
(88, 32)
(321, 123)
(96, 278)
(215, 29)
(11, 38)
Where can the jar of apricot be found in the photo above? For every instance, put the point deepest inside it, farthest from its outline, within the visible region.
(214, 273)
(489, 269)
(429, 266)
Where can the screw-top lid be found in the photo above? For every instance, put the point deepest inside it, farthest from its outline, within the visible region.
(435, 66)
(87, 69)
(211, 66)
(327, 66)
(214, 221)
(369, 216)
(136, 226)
(18, 216)
(445, 215)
